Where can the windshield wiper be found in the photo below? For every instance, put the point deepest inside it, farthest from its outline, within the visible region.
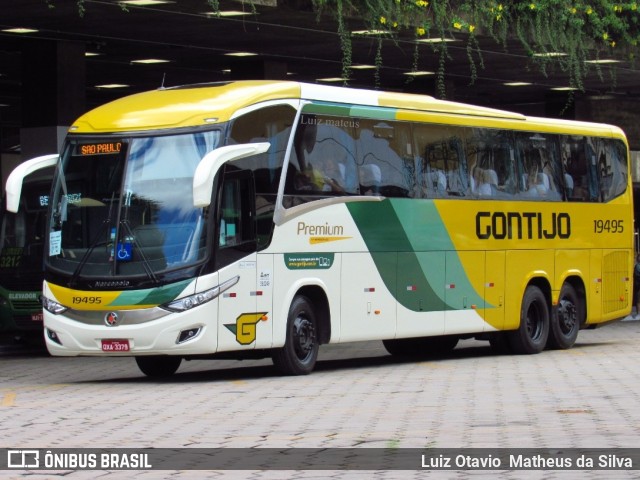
(95, 243)
(104, 228)
(145, 261)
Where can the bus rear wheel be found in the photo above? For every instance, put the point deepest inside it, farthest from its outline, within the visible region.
(158, 366)
(531, 336)
(566, 320)
(300, 351)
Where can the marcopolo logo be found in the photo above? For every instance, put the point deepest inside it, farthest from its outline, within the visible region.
(111, 319)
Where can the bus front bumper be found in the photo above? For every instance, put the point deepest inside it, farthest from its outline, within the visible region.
(182, 333)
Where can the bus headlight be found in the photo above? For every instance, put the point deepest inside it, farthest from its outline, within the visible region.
(52, 306)
(187, 303)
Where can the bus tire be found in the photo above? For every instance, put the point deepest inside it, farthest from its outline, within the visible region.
(531, 336)
(499, 342)
(158, 366)
(394, 347)
(566, 319)
(300, 351)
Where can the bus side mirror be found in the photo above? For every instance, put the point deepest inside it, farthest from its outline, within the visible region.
(14, 182)
(212, 162)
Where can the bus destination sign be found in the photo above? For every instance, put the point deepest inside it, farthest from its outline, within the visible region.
(99, 148)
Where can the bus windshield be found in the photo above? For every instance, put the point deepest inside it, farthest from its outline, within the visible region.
(21, 240)
(124, 207)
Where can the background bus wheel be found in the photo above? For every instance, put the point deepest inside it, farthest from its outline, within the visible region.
(566, 319)
(300, 351)
(531, 336)
(158, 365)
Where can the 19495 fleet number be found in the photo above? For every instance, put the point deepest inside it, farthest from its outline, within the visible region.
(608, 226)
(88, 300)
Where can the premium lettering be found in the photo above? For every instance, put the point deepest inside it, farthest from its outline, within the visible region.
(522, 225)
(326, 229)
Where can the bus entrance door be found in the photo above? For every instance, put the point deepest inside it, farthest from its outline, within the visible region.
(237, 307)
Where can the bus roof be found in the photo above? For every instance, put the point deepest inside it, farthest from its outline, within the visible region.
(206, 104)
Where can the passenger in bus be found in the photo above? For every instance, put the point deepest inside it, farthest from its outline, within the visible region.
(475, 179)
(439, 181)
(568, 185)
(541, 184)
(334, 177)
(534, 183)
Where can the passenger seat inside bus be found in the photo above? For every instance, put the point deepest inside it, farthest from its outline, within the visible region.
(486, 182)
(370, 178)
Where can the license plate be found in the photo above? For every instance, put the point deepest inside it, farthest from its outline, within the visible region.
(115, 345)
(37, 317)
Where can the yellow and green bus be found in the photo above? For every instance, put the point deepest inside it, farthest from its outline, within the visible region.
(264, 218)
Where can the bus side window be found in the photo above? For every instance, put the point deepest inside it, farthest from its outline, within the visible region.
(236, 225)
(539, 167)
(612, 169)
(384, 158)
(491, 163)
(441, 170)
(269, 124)
(322, 161)
(580, 160)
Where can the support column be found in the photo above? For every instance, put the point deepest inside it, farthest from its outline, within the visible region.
(53, 94)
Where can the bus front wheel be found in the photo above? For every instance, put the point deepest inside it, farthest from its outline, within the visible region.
(566, 319)
(300, 351)
(531, 336)
(158, 365)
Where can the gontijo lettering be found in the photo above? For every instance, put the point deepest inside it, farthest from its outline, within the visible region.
(522, 225)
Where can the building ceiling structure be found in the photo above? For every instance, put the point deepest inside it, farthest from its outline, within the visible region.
(287, 36)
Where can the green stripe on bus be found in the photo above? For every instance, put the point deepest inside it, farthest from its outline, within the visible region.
(327, 109)
(351, 111)
(379, 113)
(151, 296)
(414, 230)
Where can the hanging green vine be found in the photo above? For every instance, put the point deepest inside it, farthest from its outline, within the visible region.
(561, 33)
